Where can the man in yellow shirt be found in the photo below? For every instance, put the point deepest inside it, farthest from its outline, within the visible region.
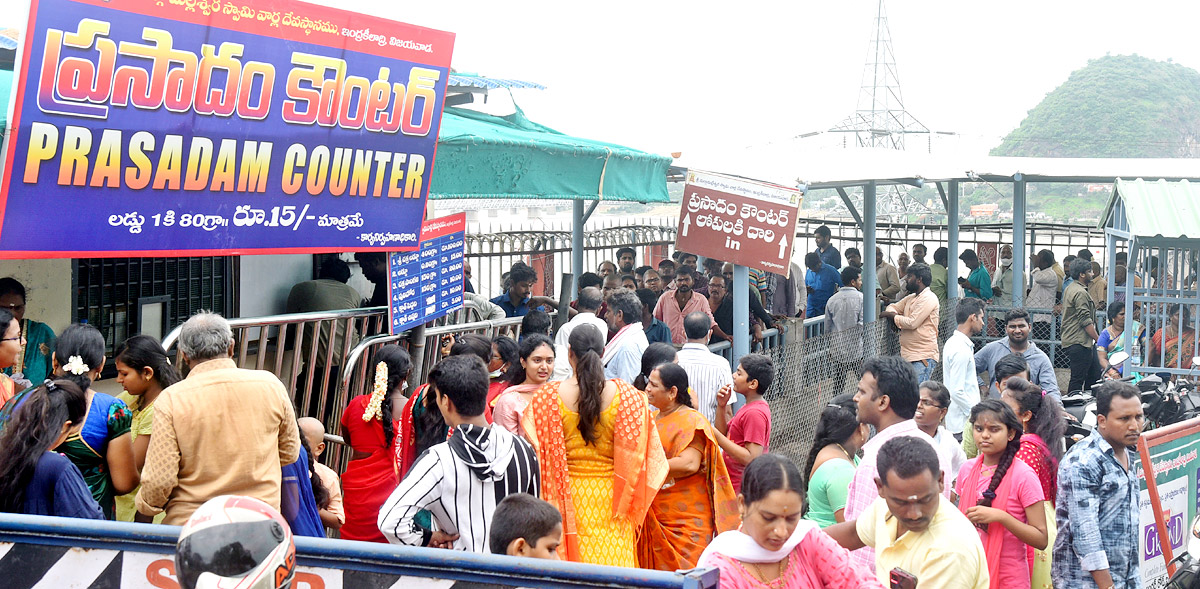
(912, 527)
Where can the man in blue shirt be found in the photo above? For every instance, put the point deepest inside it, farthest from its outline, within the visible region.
(829, 254)
(822, 280)
(1097, 512)
(517, 301)
(977, 284)
(656, 331)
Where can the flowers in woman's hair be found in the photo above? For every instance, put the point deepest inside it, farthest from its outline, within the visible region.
(76, 366)
(378, 391)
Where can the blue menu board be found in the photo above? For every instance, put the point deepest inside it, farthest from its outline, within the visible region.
(428, 283)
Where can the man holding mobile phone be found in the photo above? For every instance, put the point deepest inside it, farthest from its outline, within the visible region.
(912, 527)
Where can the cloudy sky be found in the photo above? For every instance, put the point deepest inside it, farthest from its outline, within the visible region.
(689, 76)
(680, 76)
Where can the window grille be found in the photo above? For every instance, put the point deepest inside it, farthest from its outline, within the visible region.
(108, 291)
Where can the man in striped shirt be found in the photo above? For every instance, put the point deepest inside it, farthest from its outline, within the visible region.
(461, 480)
(707, 372)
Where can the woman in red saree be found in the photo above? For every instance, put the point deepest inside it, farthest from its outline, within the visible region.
(1174, 344)
(369, 428)
(599, 453)
(697, 502)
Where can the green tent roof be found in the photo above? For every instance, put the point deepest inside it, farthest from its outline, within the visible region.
(6, 84)
(484, 156)
(1159, 208)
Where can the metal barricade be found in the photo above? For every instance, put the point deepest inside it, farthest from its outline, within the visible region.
(42, 551)
(307, 350)
(772, 338)
(356, 375)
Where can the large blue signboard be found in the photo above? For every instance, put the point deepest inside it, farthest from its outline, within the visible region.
(428, 283)
(179, 127)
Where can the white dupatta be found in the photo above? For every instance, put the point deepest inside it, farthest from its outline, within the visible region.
(739, 546)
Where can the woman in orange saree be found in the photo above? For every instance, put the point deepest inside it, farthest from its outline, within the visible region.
(599, 453)
(697, 502)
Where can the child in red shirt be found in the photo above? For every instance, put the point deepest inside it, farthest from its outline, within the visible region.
(749, 432)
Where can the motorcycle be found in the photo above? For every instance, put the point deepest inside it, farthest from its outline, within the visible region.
(1187, 568)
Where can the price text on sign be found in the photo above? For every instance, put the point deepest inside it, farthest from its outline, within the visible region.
(736, 220)
(428, 283)
(166, 127)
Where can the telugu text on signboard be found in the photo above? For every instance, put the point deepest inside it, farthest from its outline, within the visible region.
(737, 220)
(186, 127)
(428, 283)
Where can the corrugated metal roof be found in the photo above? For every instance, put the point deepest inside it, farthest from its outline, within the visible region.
(1156, 209)
(490, 83)
(790, 163)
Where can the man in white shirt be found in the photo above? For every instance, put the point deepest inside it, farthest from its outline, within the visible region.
(623, 353)
(707, 372)
(1044, 285)
(958, 372)
(587, 304)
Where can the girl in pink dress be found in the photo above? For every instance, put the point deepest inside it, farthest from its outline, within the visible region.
(775, 548)
(997, 477)
(534, 370)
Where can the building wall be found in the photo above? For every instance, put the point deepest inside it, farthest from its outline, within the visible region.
(266, 281)
(47, 289)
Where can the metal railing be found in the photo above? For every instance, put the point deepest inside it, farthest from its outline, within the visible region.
(141, 550)
(306, 351)
(493, 253)
(356, 374)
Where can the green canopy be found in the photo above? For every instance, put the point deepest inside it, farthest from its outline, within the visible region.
(6, 83)
(485, 156)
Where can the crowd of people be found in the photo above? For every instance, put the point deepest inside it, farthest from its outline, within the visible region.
(618, 438)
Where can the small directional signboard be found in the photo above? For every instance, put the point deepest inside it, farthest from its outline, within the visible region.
(742, 221)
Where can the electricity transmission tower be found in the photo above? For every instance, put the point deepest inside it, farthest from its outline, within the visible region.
(880, 120)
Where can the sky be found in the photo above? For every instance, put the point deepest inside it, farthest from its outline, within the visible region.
(706, 76)
(687, 76)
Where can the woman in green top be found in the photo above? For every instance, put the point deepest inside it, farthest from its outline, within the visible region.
(831, 463)
(143, 370)
(33, 363)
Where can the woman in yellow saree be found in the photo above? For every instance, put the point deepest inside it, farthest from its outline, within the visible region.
(697, 502)
(599, 453)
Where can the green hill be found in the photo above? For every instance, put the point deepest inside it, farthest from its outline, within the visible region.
(1119, 106)
(1116, 106)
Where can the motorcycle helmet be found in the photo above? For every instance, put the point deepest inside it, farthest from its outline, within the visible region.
(235, 542)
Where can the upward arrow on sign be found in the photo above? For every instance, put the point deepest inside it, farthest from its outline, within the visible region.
(782, 245)
(687, 222)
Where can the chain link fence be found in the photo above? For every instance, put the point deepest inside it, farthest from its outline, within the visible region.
(812, 369)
